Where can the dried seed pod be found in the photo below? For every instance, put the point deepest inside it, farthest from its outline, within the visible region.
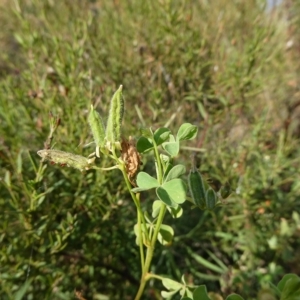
(196, 186)
(66, 159)
(98, 129)
(114, 122)
(131, 157)
(210, 199)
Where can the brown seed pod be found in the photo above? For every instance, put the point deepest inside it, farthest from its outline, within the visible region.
(131, 158)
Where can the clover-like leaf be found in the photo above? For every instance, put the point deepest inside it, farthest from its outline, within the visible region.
(200, 293)
(168, 168)
(145, 182)
(165, 234)
(291, 288)
(143, 145)
(175, 172)
(281, 284)
(172, 148)
(187, 131)
(161, 135)
(172, 192)
(173, 287)
(163, 195)
(171, 284)
(175, 211)
(168, 295)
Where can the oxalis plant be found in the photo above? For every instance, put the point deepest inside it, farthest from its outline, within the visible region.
(170, 188)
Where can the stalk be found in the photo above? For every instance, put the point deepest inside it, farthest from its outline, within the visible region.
(150, 250)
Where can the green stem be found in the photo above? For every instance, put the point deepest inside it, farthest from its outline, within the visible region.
(136, 202)
(141, 244)
(158, 162)
(150, 250)
(141, 219)
(155, 276)
(105, 169)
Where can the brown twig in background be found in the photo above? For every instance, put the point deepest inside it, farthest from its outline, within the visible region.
(79, 295)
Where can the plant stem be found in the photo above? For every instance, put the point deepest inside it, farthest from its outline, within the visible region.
(142, 255)
(136, 202)
(150, 250)
(158, 162)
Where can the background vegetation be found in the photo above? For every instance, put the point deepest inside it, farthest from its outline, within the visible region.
(226, 66)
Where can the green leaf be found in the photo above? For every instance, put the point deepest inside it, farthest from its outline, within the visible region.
(217, 260)
(165, 294)
(274, 289)
(137, 233)
(284, 280)
(19, 295)
(7, 178)
(172, 148)
(143, 145)
(234, 297)
(202, 261)
(146, 132)
(146, 182)
(168, 168)
(206, 277)
(187, 292)
(19, 162)
(187, 131)
(172, 192)
(176, 188)
(162, 194)
(165, 235)
(183, 280)
(291, 290)
(175, 172)
(138, 190)
(202, 110)
(19, 39)
(171, 284)
(161, 135)
(200, 293)
(175, 211)
(156, 206)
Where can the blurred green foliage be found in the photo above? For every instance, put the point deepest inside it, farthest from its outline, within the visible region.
(226, 66)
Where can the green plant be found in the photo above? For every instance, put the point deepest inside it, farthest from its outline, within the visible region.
(171, 189)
